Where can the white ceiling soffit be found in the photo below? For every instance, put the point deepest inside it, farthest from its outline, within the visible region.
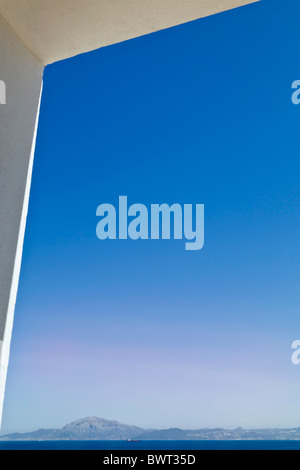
(57, 29)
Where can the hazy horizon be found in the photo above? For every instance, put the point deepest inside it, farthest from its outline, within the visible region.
(147, 428)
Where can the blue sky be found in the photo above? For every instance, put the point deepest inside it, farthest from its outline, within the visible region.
(143, 331)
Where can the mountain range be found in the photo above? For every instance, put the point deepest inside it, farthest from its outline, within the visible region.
(93, 428)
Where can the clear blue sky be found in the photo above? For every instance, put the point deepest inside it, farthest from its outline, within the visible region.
(145, 332)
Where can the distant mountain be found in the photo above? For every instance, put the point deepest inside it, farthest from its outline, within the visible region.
(102, 429)
(222, 434)
(83, 429)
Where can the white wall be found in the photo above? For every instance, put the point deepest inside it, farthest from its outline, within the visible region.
(22, 74)
(57, 29)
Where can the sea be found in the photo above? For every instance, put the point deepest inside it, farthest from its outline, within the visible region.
(150, 445)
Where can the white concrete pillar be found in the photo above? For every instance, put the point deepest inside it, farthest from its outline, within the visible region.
(21, 80)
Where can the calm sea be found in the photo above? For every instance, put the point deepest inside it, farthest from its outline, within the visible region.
(150, 445)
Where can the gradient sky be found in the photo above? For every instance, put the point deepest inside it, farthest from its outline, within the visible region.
(143, 331)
